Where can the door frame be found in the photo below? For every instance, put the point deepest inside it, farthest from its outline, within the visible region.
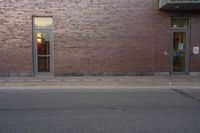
(35, 53)
(186, 51)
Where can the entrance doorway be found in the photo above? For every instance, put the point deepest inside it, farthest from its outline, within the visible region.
(179, 45)
(179, 52)
(43, 46)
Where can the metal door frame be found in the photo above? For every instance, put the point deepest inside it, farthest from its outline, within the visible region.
(186, 51)
(35, 53)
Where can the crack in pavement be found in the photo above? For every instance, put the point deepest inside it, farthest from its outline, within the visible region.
(186, 94)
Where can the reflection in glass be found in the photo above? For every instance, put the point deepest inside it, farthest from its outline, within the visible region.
(180, 22)
(43, 48)
(43, 42)
(43, 22)
(179, 41)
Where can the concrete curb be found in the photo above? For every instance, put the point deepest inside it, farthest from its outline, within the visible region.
(99, 85)
(113, 82)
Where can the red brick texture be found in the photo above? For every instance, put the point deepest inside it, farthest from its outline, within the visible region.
(195, 41)
(93, 36)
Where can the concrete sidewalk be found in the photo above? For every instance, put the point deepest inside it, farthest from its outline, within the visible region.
(92, 82)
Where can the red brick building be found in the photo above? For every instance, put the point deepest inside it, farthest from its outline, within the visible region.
(99, 37)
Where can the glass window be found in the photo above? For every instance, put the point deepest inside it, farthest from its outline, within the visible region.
(180, 22)
(43, 43)
(43, 64)
(43, 22)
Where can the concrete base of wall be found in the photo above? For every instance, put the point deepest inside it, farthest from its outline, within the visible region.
(115, 74)
(194, 73)
(16, 74)
(97, 74)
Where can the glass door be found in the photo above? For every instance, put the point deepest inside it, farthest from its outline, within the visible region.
(179, 51)
(43, 47)
(43, 50)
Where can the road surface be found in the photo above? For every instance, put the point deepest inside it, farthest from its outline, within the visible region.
(100, 111)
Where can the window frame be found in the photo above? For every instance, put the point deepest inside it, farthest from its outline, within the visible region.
(34, 30)
(188, 26)
(34, 27)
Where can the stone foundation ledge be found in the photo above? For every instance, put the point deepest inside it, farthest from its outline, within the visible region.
(16, 74)
(97, 74)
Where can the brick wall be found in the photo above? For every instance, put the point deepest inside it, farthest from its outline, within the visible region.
(195, 41)
(112, 36)
(91, 35)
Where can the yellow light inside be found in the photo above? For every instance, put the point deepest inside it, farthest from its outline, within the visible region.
(43, 22)
(39, 37)
(39, 40)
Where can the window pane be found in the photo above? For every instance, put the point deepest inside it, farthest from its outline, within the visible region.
(179, 42)
(180, 22)
(43, 43)
(43, 22)
(43, 64)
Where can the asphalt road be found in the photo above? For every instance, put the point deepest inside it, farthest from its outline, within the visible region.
(100, 111)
